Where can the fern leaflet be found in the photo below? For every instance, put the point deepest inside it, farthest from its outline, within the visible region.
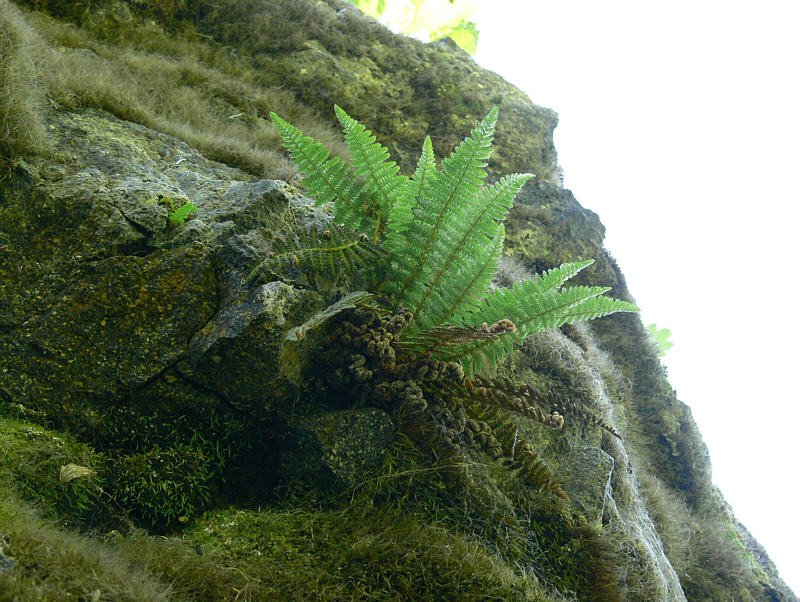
(458, 183)
(326, 178)
(371, 162)
(321, 254)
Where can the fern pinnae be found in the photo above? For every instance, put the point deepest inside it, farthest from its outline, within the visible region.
(326, 178)
(371, 161)
(474, 279)
(553, 278)
(407, 205)
(461, 176)
(532, 311)
(566, 407)
(325, 253)
(598, 307)
(444, 237)
(520, 455)
(482, 241)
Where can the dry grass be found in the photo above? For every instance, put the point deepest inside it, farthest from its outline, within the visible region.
(706, 553)
(193, 90)
(22, 98)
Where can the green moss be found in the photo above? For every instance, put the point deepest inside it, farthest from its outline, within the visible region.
(143, 472)
(55, 564)
(31, 460)
(298, 554)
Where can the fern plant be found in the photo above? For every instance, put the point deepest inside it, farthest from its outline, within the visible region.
(442, 231)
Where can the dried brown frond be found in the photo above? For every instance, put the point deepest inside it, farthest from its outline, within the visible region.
(549, 410)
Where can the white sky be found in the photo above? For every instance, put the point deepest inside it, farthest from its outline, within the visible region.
(679, 126)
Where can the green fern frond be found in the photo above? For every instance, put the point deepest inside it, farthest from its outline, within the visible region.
(322, 254)
(381, 184)
(436, 225)
(597, 307)
(531, 311)
(404, 211)
(326, 178)
(475, 231)
(444, 236)
(553, 279)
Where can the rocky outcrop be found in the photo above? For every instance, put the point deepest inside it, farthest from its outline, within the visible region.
(103, 298)
(140, 348)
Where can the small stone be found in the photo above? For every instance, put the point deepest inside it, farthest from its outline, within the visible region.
(74, 471)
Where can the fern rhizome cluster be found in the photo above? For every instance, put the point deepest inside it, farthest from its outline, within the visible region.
(432, 243)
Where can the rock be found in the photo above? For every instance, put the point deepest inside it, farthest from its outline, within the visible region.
(116, 324)
(6, 562)
(238, 352)
(100, 296)
(335, 448)
(586, 476)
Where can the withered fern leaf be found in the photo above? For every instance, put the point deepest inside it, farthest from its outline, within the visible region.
(519, 455)
(550, 410)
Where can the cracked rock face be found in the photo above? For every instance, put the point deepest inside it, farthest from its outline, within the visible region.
(103, 300)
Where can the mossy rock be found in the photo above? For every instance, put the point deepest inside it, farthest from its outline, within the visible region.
(336, 448)
(86, 196)
(32, 463)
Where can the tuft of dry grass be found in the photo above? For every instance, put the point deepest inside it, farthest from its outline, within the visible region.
(192, 89)
(706, 553)
(22, 97)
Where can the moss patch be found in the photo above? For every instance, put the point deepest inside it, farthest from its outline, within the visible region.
(297, 554)
(31, 461)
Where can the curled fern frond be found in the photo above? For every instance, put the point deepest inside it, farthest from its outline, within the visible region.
(502, 393)
(520, 456)
(523, 399)
(530, 466)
